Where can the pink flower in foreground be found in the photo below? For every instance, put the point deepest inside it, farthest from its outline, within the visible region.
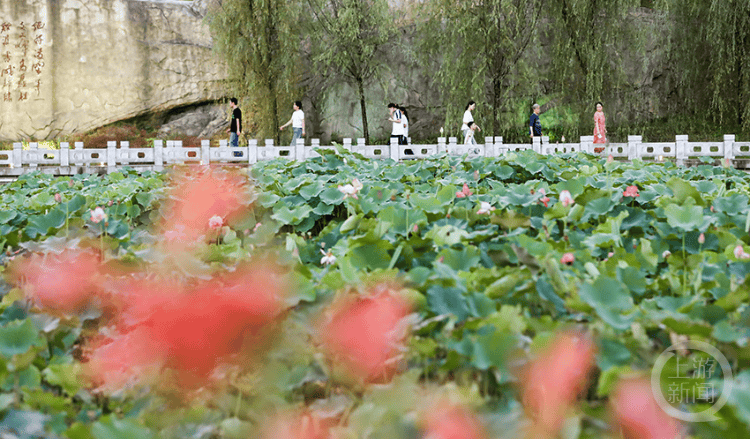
(445, 420)
(464, 192)
(215, 222)
(98, 215)
(567, 259)
(638, 415)
(566, 199)
(351, 190)
(365, 334)
(739, 253)
(257, 226)
(701, 239)
(610, 159)
(58, 198)
(631, 191)
(302, 426)
(552, 383)
(64, 282)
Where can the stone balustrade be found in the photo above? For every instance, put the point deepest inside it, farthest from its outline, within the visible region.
(69, 161)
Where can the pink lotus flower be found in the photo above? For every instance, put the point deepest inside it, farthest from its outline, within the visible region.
(98, 215)
(567, 259)
(58, 198)
(485, 207)
(631, 191)
(328, 258)
(445, 420)
(701, 239)
(110, 203)
(566, 199)
(364, 334)
(70, 183)
(215, 222)
(638, 415)
(257, 226)
(555, 379)
(739, 253)
(415, 229)
(65, 282)
(465, 192)
(610, 159)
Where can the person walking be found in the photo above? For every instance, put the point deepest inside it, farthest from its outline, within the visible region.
(405, 121)
(468, 117)
(235, 124)
(535, 125)
(397, 132)
(297, 122)
(469, 137)
(600, 128)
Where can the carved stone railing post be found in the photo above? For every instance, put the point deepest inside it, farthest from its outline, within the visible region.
(252, 151)
(634, 147)
(681, 149)
(64, 154)
(729, 146)
(158, 155)
(205, 152)
(111, 156)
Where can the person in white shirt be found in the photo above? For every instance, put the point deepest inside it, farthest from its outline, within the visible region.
(469, 118)
(469, 136)
(397, 132)
(297, 122)
(405, 120)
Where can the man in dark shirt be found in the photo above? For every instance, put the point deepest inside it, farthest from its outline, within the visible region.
(235, 126)
(535, 125)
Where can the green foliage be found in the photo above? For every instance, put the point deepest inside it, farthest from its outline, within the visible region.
(349, 40)
(477, 50)
(487, 288)
(259, 41)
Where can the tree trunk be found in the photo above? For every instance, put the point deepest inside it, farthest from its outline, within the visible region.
(495, 105)
(363, 106)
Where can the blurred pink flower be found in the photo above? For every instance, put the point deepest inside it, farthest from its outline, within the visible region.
(98, 215)
(666, 254)
(328, 258)
(566, 199)
(701, 239)
(365, 335)
(553, 381)
(464, 192)
(257, 226)
(739, 253)
(445, 420)
(58, 198)
(567, 259)
(215, 222)
(631, 191)
(637, 414)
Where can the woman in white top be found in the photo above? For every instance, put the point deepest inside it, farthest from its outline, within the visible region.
(469, 118)
(405, 121)
(297, 122)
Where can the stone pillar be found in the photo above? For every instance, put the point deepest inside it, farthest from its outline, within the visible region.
(252, 151)
(681, 148)
(634, 147)
(587, 145)
(441, 147)
(395, 153)
(499, 147)
(111, 156)
(489, 147)
(64, 154)
(17, 155)
(299, 149)
(536, 144)
(33, 154)
(205, 152)
(158, 155)
(124, 157)
(729, 146)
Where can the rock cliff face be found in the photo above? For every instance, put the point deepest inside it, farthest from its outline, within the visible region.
(69, 66)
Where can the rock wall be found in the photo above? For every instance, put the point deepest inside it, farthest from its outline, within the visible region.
(68, 66)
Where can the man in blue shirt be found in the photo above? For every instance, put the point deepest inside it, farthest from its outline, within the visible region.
(535, 125)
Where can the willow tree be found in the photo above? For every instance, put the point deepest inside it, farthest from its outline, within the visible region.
(349, 42)
(710, 50)
(476, 48)
(259, 41)
(586, 35)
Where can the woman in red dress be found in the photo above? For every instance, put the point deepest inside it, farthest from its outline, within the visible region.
(600, 128)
